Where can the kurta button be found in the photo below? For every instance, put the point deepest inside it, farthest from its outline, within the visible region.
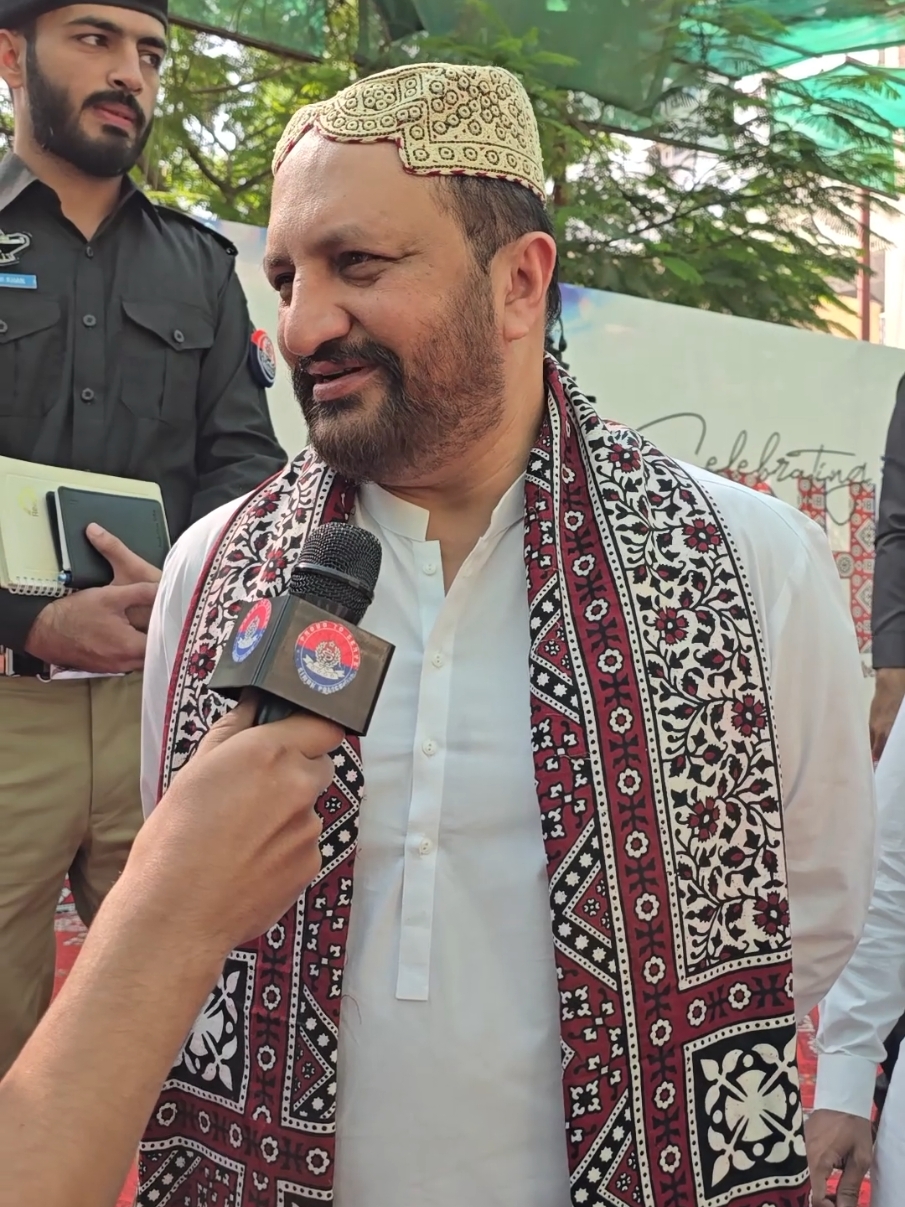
(178, 336)
(4, 327)
(429, 747)
(89, 320)
(89, 252)
(87, 394)
(429, 568)
(425, 846)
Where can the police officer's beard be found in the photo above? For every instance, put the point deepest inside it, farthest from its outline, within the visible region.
(445, 398)
(55, 124)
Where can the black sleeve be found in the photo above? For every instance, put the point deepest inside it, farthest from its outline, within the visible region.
(236, 448)
(888, 621)
(17, 614)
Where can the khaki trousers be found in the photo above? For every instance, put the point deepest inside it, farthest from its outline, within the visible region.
(69, 804)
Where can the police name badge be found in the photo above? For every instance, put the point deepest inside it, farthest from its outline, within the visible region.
(18, 280)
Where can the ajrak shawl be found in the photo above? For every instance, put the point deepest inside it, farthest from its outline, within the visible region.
(659, 800)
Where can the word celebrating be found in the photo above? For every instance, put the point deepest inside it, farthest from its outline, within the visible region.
(834, 468)
(833, 490)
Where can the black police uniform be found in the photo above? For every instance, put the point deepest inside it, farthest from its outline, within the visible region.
(129, 353)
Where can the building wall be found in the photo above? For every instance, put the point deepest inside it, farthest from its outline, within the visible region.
(846, 312)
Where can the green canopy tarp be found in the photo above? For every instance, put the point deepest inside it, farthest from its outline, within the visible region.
(295, 27)
(873, 100)
(623, 50)
(802, 29)
(628, 53)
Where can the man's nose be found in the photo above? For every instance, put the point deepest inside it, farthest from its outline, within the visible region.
(309, 321)
(126, 75)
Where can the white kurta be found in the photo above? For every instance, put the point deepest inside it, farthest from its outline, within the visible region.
(869, 997)
(449, 1088)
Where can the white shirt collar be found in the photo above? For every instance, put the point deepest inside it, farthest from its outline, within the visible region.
(408, 520)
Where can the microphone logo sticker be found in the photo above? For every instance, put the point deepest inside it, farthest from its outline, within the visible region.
(327, 656)
(251, 630)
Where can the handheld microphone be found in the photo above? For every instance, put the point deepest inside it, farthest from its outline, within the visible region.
(304, 650)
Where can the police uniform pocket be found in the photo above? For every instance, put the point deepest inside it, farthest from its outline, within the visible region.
(31, 346)
(163, 347)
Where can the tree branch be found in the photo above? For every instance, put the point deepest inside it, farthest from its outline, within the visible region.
(198, 160)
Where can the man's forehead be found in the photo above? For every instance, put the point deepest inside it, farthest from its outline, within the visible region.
(129, 21)
(316, 160)
(347, 192)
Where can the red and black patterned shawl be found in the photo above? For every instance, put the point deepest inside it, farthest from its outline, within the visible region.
(659, 799)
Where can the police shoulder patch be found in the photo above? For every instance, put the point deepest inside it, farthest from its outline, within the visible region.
(262, 360)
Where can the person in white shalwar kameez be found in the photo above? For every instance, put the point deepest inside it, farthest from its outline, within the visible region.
(860, 1011)
(471, 1067)
(821, 733)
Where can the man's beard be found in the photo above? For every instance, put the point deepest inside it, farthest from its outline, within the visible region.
(55, 123)
(446, 398)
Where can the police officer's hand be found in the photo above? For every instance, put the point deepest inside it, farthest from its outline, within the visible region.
(91, 630)
(103, 628)
(234, 840)
(889, 691)
(128, 568)
(836, 1140)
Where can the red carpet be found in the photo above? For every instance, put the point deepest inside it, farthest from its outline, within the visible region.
(70, 933)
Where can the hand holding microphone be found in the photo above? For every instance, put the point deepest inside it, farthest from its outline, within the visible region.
(244, 805)
(230, 847)
(234, 841)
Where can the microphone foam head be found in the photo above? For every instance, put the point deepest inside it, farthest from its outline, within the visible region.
(339, 564)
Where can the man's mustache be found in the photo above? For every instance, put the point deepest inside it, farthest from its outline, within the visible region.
(118, 98)
(339, 351)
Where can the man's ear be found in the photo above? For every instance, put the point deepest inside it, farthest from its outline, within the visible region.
(12, 58)
(526, 267)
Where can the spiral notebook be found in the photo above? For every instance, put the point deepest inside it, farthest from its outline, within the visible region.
(29, 564)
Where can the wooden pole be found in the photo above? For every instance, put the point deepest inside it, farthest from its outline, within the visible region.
(864, 274)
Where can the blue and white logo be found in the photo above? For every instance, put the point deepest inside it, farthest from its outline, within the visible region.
(327, 656)
(251, 630)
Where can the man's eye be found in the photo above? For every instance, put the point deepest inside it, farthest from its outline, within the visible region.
(93, 40)
(154, 61)
(283, 285)
(355, 259)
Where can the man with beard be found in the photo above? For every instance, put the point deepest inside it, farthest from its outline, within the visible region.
(548, 958)
(125, 348)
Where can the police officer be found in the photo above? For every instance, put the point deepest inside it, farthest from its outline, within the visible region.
(125, 348)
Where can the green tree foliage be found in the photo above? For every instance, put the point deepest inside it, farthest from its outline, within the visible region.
(222, 110)
(751, 227)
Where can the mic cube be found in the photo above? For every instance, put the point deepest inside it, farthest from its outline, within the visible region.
(301, 653)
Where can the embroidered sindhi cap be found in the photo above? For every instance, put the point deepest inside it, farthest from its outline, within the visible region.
(445, 119)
